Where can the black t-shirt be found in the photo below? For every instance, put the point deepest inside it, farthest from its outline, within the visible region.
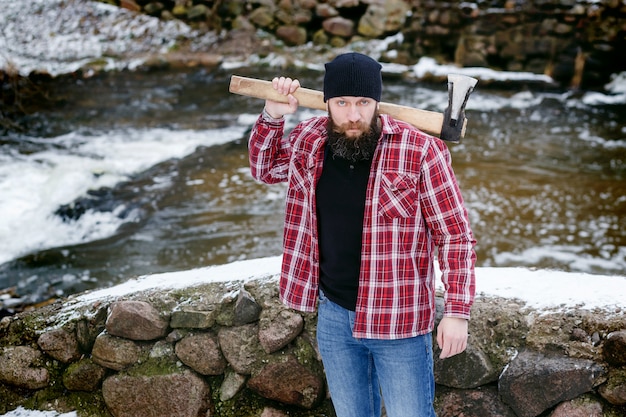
(341, 192)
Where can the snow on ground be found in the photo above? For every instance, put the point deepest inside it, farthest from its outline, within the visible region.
(22, 412)
(540, 289)
(59, 37)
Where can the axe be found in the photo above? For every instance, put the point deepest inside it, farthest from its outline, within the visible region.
(449, 126)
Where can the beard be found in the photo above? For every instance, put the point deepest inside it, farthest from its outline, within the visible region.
(354, 148)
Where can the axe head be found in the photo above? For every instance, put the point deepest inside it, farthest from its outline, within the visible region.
(459, 89)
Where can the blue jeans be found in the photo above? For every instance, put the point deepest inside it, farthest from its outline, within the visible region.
(358, 370)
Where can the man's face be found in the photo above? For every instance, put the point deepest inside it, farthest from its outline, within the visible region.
(352, 116)
(353, 128)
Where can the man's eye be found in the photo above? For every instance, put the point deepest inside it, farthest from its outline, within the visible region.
(365, 102)
(341, 103)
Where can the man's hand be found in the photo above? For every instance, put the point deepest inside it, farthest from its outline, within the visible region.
(285, 86)
(452, 336)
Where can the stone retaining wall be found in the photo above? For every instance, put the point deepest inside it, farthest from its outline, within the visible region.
(231, 349)
(578, 43)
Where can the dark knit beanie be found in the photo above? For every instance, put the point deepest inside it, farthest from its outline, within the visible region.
(354, 75)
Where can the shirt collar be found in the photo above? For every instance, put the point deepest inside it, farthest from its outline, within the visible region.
(389, 125)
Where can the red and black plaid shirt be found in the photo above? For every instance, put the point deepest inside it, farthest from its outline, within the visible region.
(413, 211)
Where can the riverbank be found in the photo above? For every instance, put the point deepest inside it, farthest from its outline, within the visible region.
(545, 39)
(548, 45)
(531, 331)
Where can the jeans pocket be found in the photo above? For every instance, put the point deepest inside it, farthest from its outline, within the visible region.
(322, 299)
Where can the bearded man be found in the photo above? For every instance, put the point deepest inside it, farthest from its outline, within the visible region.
(370, 201)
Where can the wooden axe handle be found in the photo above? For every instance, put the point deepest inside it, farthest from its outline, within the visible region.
(425, 120)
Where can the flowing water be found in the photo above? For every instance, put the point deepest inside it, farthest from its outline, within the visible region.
(132, 173)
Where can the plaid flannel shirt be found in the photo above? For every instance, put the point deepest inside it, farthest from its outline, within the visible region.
(413, 211)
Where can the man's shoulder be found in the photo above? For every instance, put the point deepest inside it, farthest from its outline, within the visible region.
(407, 132)
(316, 122)
(311, 128)
(308, 133)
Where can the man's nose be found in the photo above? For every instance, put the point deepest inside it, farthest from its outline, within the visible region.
(353, 114)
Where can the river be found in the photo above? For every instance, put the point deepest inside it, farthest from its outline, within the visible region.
(133, 173)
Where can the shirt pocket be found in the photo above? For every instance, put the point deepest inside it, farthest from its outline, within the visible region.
(397, 195)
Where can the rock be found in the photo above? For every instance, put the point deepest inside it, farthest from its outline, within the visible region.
(192, 319)
(175, 59)
(85, 375)
(473, 403)
(162, 349)
(614, 391)
(59, 344)
(276, 332)
(285, 16)
(243, 40)
(614, 349)
(579, 407)
(88, 329)
(114, 352)
(469, 369)
(307, 4)
(179, 394)
(202, 353)
(226, 310)
(262, 17)
(534, 382)
(136, 320)
(320, 37)
(179, 10)
(241, 347)
(272, 412)
(339, 26)
(247, 310)
(579, 335)
(130, 5)
(232, 7)
(198, 12)
(232, 384)
(288, 382)
(154, 8)
(372, 24)
(175, 335)
(20, 366)
(325, 10)
(340, 4)
(337, 42)
(292, 35)
(302, 17)
(240, 23)
(381, 18)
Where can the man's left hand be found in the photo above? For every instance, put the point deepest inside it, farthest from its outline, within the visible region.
(452, 336)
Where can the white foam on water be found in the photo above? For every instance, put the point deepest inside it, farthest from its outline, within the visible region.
(33, 186)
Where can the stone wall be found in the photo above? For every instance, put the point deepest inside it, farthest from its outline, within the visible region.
(578, 43)
(231, 349)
